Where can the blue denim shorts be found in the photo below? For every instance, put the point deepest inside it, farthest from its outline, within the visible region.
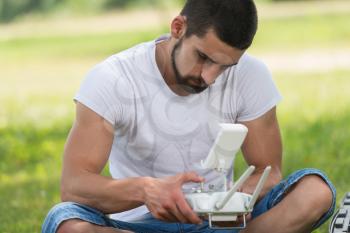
(69, 210)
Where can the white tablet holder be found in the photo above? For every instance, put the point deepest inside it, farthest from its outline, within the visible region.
(226, 205)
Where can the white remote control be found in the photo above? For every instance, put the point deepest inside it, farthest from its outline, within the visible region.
(228, 204)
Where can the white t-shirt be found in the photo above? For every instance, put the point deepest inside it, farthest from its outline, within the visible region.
(158, 133)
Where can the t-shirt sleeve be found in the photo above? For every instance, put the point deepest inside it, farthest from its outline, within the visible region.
(98, 92)
(257, 93)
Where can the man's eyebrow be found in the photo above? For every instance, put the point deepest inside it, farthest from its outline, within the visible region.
(211, 60)
(206, 56)
(229, 65)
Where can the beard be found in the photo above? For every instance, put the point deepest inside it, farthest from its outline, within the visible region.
(186, 82)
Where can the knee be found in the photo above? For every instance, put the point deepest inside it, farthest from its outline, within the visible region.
(75, 226)
(58, 215)
(80, 226)
(319, 198)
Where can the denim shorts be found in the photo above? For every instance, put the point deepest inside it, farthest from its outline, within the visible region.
(69, 210)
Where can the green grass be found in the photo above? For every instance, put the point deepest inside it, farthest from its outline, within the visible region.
(73, 47)
(303, 32)
(40, 74)
(293, 33)
(29, 177)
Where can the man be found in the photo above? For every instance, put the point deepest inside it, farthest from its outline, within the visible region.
(154, 111)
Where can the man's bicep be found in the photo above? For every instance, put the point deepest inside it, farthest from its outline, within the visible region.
(263, 146)
(88, 144)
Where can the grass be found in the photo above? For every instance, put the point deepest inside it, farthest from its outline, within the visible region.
(294, 33)
(74, 47)
(303, 32)
(40, 74)
(29, 175)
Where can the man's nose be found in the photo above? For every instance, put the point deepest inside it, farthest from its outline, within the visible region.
(210, 73)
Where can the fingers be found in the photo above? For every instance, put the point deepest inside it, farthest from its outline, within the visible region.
(190, 177)
(179, 211)
(166, 200)
(187, 212)
(179, 216)
(172, 214)
(167, 217)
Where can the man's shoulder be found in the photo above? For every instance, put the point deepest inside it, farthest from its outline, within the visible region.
(115, 64)
(250, 67)
(139, 50)
(249, 61)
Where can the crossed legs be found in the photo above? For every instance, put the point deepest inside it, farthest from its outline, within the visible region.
(79, 226)
(305, 203)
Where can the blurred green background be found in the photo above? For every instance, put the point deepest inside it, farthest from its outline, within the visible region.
(47, 46)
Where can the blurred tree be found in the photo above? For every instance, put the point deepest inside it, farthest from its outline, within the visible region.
(9, 9)
(288, 0)
(126, 3)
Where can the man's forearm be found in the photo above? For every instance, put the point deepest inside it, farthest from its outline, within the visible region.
(273, 179)
(104, 193)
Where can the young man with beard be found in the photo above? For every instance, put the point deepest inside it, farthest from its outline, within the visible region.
(154, 111)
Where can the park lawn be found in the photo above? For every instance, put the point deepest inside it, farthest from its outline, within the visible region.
(294, 33)
(297, 33)
(39, 75)
(313, 118)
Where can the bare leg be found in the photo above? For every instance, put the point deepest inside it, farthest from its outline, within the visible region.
(79, 226)
(306, 202)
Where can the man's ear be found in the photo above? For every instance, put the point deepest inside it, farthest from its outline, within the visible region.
(178, 27)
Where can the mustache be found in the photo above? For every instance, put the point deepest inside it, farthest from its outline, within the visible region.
(198, 81)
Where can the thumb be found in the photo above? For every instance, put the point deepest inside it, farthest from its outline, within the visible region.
(190, 177)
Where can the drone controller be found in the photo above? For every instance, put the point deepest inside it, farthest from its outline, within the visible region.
(226, 205)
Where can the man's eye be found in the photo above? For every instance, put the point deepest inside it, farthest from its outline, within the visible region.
(202, 56)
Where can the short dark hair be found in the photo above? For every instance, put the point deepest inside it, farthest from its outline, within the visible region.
(235, 22)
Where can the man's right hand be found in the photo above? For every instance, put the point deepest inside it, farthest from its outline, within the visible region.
(166, 201)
